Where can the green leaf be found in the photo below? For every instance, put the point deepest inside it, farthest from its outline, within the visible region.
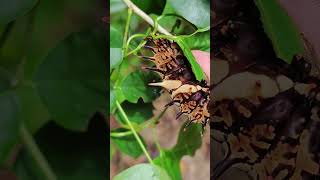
(53, 21)
(33, 112)
(115, 37)
(143, 172)
(9, 124)
(150, 6)
(116, 6)
(199, 41)
(196, 68)
(195, 11)
(280, 29)
(115, 57)
(10, 10)
(173, 22)
(71, 155)
(14, 44)
(127, 144)
(188, 142)
(71, 81)
(135, 86)
(116, 79)
(138, 113)
(115, 47)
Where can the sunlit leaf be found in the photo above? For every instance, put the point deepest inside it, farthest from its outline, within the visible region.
(116, 6)
(195, 11)
(143, 172)
(199, 41)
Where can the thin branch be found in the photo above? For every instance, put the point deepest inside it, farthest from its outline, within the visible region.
(120, 134)
(134, 132)
(36, 154)
(125, 36)
(144, 16)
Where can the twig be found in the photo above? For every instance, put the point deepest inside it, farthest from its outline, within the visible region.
(120, 134)
(125, 36)
(36, 154)
(134, 132)
(144, 16)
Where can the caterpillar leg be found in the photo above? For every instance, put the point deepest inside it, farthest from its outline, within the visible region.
(178, 115)
(153, 49)
(154, 69)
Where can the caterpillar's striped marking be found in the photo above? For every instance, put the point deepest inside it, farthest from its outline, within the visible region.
(189, 94)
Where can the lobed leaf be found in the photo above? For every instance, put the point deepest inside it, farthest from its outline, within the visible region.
(137, 112)
(135, 86)
(71, 81)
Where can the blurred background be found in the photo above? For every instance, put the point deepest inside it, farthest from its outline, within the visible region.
(53, 89)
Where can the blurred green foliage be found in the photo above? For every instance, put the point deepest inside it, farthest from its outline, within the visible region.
(52, 69)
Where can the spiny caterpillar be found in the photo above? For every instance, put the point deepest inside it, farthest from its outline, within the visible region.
(269, 125)
(189, 94)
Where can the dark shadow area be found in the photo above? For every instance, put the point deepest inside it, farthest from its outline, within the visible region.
(53, 89)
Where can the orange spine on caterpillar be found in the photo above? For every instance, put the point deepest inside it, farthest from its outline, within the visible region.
(190, 95)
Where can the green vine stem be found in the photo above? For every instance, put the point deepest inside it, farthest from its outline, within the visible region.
(126, 31)
(134, 132)
(181, 36)
(146, 124)
(139, 46)
(36, 154)
(120, 134)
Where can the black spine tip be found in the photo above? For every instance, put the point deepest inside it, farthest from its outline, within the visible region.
(147, 58)
(169, 104)
(151, 48)
(154, 69)
(178, 115)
